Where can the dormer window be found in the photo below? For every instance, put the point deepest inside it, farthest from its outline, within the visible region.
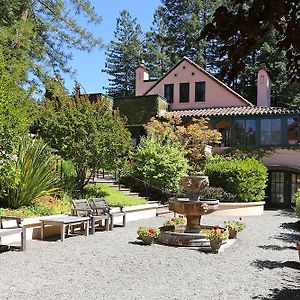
(169, 92)
(184, 92)
(200, 91)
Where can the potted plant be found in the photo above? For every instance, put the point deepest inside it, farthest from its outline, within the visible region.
(298, 248)
(216, 237)
(147, 234)
(234, 227)
(180, 220)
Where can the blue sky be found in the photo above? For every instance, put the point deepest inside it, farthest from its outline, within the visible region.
(88, 66)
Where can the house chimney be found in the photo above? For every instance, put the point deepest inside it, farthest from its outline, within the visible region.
(141, 75)
(264, 84)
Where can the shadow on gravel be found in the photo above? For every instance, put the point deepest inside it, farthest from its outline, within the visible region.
(269, 264)
(291, 225)
(6, 248)
(287, 237)
(138, 243)
(57, 238)
(285, 213)
(276, 247)
(283, 294)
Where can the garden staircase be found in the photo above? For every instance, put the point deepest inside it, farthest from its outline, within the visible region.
(112, 181)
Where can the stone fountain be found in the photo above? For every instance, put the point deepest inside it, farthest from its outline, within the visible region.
(193, 207)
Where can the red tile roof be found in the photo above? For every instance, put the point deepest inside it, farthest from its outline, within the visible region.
(235, 111)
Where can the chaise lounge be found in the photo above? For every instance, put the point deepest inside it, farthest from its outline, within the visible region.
(81, 208)
(99, 205)
(18, 228)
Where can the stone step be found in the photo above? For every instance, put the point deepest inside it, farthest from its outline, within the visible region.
(104, 180)
(162, 213)
(131, 194)
(163, 209)
(110, 181)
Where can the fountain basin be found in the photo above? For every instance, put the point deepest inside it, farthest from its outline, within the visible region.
(176, 236)
(193, 210)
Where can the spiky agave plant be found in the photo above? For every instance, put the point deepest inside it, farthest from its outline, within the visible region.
(36, 174)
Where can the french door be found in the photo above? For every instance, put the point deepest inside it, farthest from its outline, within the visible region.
(282, 186)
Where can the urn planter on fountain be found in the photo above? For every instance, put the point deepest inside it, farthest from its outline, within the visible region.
(193, 207)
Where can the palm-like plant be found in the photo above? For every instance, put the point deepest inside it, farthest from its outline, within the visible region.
(35, 174)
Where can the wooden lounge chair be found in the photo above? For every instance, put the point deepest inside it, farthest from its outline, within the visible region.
(82, 208)
(99, 204)
(18, 228)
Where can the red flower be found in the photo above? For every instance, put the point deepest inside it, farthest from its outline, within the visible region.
(222, 231)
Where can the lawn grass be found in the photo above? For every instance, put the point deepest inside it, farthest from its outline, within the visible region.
(112, 196)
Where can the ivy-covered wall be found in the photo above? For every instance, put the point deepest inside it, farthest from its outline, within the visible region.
(139, 110)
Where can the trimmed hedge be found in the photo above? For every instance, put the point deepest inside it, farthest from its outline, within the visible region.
(245, 178)
(139, 110)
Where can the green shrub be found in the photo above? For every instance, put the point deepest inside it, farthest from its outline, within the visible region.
(160, 163)
(217, 193)
(244, 177)
(35, 174)
(297, 198)
(113, 197)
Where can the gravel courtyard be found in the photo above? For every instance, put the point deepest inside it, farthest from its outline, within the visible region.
(262, 264)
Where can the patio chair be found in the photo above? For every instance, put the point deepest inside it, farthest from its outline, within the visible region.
(99, 204)
(18, 228)
(82, 208)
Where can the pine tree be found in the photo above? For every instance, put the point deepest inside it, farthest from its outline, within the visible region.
(123, 55)
(155, 46)
(41, 33)
(284, 91)
(176, 33)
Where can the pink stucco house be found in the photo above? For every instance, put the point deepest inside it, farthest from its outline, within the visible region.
(192, 92)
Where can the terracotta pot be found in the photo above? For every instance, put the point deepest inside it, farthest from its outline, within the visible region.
(298, 248)
(215, 245)
(148, 240)
(232, 233)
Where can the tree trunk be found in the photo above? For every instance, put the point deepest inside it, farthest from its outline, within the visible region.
(80, 178)
(23, 17)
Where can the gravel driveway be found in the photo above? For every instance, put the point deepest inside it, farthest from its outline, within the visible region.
(262, 264)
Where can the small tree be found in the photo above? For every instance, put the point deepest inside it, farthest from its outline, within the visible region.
(193, 136)
(14, 117)
(160, 163)
(88, 133)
